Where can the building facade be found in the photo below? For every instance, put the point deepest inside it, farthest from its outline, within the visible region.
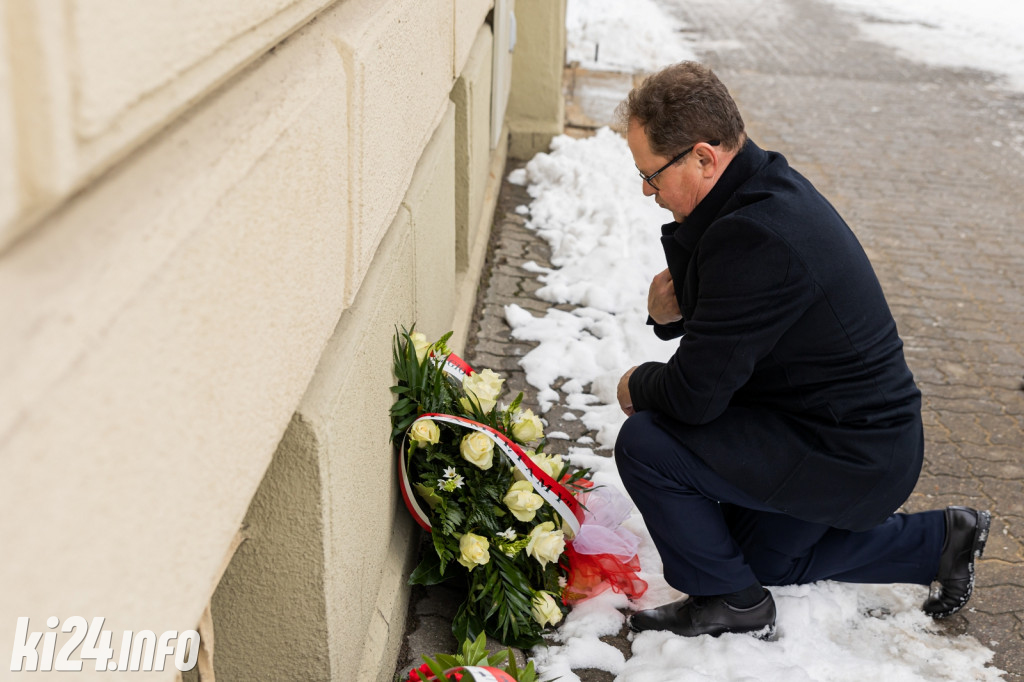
(213, 217)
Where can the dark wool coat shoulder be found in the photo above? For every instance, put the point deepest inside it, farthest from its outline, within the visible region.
(789, 379)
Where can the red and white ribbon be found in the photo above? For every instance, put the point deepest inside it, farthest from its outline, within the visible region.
(479, 674)
(456, 367)
(553, 492)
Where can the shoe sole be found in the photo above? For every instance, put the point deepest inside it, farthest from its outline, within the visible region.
(980, 538)
(767, 633)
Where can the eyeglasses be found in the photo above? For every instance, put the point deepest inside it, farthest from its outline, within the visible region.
(649, 179)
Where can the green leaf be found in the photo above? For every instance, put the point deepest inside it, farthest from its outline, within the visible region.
(447, 661)
(498, 658)
(475, 652)
(429, 571)
(530, 675)
(512, 668)
(443, 548)
(402, 405)
(435, 667)
(467, 624)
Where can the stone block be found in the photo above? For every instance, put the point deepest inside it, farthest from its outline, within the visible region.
(368, 541)
(398, 57)
(371, 538)
(431, 206)
(272, 591)
(536, 106)
(468, 17)
(472, 98)
(137, 67)
(127, 52)
(167, 323)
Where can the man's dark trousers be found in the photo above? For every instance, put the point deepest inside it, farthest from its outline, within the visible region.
(715, 539)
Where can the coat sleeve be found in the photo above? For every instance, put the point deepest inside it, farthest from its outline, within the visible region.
(752, 289)
(677, 254)
(667, 332)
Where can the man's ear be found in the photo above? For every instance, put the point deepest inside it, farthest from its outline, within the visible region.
(707, 158)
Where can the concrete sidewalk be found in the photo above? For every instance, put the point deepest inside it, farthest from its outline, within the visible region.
(926, 165)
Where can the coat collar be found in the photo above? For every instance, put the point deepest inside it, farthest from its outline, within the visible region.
(743, 166)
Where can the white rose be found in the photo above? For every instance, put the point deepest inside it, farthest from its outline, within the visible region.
(545, 609)
(490, 379)
(483, 388)
(527, 427)
(474, 550)
(522, 501)
(478, 449)
(424, 432)
(546, 544)
(420, 343)
(551, 465)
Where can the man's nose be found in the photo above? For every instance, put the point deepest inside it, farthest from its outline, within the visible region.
(648, 190)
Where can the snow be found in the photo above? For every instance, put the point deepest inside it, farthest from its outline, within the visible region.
(612, 35)
(604, 237)
(826, 632)
(605, 248)
(982, 34)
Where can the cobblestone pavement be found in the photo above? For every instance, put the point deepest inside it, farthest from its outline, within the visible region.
(926, 164)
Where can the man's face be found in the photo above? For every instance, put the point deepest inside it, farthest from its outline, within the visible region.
(679, 187)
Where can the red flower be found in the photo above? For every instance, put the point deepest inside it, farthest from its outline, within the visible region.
(414, 675)
(579, 484)
(423, 674)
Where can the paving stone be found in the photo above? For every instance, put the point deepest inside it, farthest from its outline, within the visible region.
(1009, 495)
(964, 485)
(997, 599)
(991, 573)
(960, 399)
(991, 454)
(534, 305)
(507, 348)
(937, 466)
(509, 283)
(1012, 525)
(431, 635)
(1005, 470)
(440, 600)
(963, 428)
(1002, 550)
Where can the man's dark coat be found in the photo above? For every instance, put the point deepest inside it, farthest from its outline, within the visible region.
(789, 379)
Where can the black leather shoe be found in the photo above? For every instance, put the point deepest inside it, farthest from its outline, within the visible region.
(708, 616)
(966, 533)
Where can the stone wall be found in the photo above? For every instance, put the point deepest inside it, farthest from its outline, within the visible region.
(212, 218)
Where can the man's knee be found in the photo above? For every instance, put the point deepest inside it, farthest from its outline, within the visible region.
(643, 445)
(632, 446)
(636, 436)
(638, 440)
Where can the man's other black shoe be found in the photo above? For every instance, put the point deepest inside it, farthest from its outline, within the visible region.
(966, 533)
(708, 616)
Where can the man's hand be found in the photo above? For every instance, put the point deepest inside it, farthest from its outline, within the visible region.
(662, 304)
(625, 402)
